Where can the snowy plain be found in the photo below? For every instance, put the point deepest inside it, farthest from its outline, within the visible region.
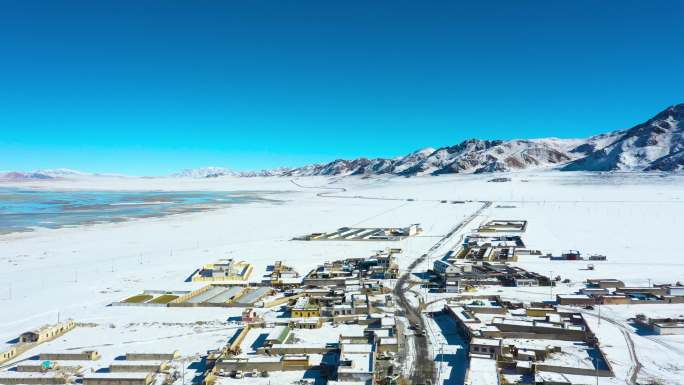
(634, 219)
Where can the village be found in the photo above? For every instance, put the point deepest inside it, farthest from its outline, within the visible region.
(365, 320)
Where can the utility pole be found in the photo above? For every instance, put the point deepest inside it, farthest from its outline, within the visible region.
(596, 365)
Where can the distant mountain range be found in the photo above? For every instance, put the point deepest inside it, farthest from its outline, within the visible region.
(42, 174)
(655, 145)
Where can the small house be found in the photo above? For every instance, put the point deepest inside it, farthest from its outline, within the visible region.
(575, 299)
(303, 308)
(486, 346)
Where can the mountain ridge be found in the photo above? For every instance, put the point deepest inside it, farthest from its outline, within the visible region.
(654, 145)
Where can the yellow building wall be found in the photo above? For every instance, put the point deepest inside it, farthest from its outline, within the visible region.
(532, 312)
(306, 313)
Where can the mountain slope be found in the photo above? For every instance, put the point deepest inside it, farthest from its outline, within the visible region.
(655, 145)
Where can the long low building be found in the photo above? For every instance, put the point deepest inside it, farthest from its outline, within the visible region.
(253, 296)
(299, 348)
(207, 295)
(47, 332)
(147, 366)
(86, 355)
(227, 296)
(266, 363)
(144, 356)
(118, 379)
(37, 366)
(31, 378)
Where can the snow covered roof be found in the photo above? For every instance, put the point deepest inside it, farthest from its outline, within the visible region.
(13, 374)
(299, 345)
(388, 321)
(109, 375)
(253, 359)
(485, 341)
(278, 333)
(573, 296)
(355, 363)
(356, 348)
(482, 371)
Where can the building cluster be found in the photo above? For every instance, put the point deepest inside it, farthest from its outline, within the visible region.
(332, 298)
(483, 259)
(365, 234)
(344, 303)
(614, 292)
(350, 272)
(339, 319)
(82, 367)
(534, 344)
(280, 275)
(361, 354)
(223, 270)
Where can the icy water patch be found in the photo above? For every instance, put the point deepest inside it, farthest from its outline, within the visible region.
(24, 210)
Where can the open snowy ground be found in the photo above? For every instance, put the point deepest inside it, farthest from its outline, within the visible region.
(634, 219)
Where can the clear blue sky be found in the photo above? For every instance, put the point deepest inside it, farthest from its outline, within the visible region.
(149, 87)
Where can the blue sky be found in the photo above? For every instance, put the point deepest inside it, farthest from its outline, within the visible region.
(149, 87)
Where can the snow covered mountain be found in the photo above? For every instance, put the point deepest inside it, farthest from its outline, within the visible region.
(41, 174)
(656, 145)
(205, 172)
(18, 175)
(470, 156)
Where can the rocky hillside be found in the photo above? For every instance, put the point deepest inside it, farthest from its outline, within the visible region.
(656, 145)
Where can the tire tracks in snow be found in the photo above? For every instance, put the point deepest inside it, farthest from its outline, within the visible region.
(627, 335)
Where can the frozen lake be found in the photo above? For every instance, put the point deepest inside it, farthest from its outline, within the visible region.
(23, 209)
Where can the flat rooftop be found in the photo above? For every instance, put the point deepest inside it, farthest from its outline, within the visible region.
(482, 371)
